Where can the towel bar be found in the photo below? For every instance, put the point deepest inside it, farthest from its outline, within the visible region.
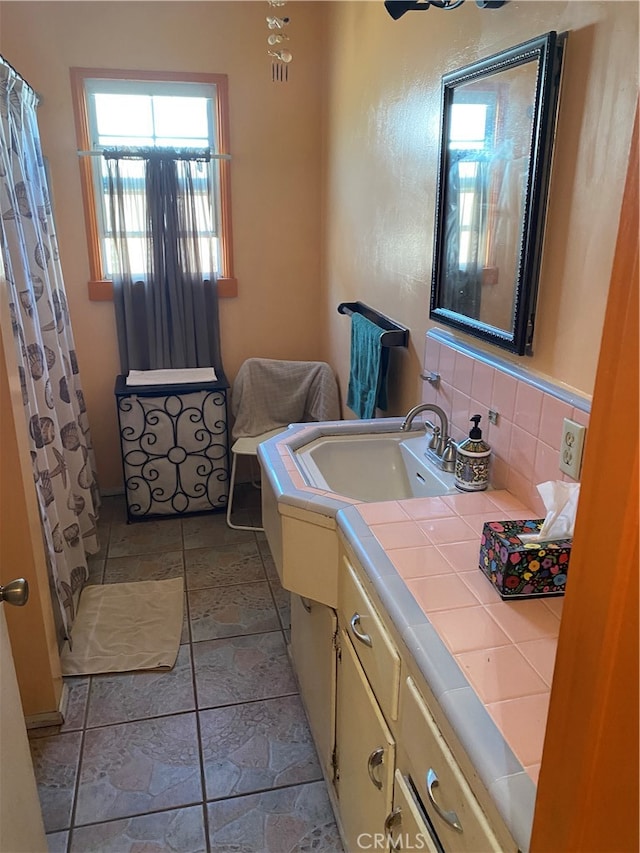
(394, 335)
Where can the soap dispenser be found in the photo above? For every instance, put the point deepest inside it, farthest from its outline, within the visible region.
(472, 460)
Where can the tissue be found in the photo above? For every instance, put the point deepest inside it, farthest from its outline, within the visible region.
(561, 502)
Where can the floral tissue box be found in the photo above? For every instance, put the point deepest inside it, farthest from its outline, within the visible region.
(520, 570)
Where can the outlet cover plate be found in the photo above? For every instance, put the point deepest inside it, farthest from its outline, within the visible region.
(571, 447)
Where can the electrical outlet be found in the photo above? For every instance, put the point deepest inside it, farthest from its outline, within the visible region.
(571, 448)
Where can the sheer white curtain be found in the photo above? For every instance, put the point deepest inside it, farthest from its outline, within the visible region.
(56, 416)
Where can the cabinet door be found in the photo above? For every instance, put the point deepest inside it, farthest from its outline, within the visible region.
(365, 754)
(313, 627)
(406, 827)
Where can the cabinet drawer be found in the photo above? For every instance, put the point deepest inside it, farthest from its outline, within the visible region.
(457, 818)
(406, 826)
(376, 651)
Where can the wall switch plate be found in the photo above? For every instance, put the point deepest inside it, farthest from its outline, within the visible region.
(571, 447)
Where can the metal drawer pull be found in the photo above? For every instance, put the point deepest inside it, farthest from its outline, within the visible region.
(392, 819)
(450, 817)
(364, 638)
(305, 604)
(375, 760)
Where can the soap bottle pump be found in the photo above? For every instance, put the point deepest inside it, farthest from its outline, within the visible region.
(472, 460)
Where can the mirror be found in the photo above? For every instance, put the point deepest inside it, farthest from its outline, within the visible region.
(498, 124)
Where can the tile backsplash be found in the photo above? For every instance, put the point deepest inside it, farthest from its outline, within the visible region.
(525, 441)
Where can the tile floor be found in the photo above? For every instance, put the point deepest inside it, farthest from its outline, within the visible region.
(215, 755)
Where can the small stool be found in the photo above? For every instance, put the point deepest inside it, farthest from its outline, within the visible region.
(245, 447)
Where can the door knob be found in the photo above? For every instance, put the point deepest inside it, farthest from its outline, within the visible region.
(15, 592)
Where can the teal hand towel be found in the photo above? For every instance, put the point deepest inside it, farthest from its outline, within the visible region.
(368, 372)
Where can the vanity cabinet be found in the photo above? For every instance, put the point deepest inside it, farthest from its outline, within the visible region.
(386, 713)
(393, 765)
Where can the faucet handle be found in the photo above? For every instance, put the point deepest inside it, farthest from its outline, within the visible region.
(450, 451)
(434, 443)
(449, 456)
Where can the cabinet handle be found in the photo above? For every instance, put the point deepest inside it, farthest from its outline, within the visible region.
(449, 817)
(364, 638)
(394, 817)
(305, 603)
(375, 760)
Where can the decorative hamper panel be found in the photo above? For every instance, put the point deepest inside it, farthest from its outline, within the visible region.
(175, 449)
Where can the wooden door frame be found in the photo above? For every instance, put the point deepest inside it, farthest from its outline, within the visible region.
(588, 787)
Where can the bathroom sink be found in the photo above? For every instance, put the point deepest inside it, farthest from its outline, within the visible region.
(373, 467)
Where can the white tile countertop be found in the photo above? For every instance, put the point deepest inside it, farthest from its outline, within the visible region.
(489, 662)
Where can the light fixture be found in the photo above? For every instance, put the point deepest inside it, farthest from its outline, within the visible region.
(280, 57)
(397, 8)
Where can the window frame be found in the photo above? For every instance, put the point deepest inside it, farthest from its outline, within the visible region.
(100, 288)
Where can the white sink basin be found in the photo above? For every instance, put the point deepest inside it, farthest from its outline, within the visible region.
(373, 467)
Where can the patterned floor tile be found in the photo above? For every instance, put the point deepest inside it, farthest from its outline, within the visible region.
(96, 564)
(119, 697)
(270, 567)
(140, 772)
(185, 636)
(144, 567)
(103, 529)
(228, 611)
(134, 768)
(113, 510)
(242, 668)
(55, 764)
(231, 564)
(243, 518)
(256, 746)
(145, 537)
(78, 694)
(57, 842)
(282, 598)
(179, 830)
(289, 820)
(206, 531)
(247, 495)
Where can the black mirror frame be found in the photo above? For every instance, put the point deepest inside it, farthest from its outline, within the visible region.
(547, 50)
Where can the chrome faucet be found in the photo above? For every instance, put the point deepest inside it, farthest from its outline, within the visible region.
(442, 448)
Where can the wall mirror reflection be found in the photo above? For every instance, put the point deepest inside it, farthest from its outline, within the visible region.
(498, 124)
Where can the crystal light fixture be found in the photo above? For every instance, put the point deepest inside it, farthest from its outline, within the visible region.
(280, 58)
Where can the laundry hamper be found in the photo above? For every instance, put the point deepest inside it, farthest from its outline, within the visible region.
(175, 447)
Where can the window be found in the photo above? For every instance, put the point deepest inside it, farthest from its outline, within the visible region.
(471, 136)
(147, 109)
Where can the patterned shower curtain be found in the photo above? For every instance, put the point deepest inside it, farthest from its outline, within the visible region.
(56, 417)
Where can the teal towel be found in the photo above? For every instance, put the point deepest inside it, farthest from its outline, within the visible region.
(368, 372)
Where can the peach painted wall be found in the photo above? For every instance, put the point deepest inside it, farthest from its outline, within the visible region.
(275, 140)
(333, 176)
(382, 153)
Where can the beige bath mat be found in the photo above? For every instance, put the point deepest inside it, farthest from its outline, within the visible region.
(126, 626)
